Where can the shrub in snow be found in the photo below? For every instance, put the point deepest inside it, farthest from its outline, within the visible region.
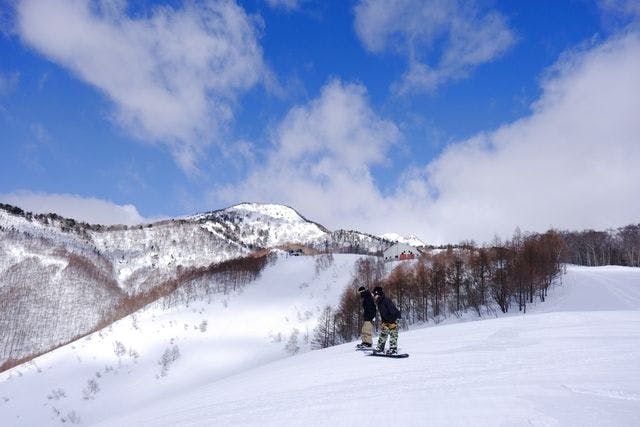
(323, 262)
(119, 349)
(292, 346)
(90, 390)
(56, 394)
(325, 334)
(203, 326)
(169, 356)
(133, 354)
(277, 337)
(305, 316)
(73, 418)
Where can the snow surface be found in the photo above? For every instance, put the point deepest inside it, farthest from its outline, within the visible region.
(410, 239)
(215, 338)
(574, 360)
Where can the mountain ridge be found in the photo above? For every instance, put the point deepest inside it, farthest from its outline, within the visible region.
(116, 269)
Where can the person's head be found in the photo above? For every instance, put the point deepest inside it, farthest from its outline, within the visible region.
(362, 290)
(378, 292)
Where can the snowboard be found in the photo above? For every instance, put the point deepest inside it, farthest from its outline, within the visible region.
(393, 356)
(365, 349)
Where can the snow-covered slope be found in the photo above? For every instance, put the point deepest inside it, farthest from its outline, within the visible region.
(54, 287)
(268, 319)
(569, 367)
(571, 361)
(610, 288)
(409, 239)
(514, 371)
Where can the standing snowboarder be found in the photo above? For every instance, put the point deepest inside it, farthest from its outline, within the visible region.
(369, 307)
(389, 314)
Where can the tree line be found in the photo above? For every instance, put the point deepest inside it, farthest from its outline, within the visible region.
(199, 283)
(446, 282)
(612, 247)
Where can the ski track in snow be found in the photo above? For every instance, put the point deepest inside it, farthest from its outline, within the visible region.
(573, 360)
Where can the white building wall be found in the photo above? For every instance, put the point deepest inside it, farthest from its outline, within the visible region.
(394, 252)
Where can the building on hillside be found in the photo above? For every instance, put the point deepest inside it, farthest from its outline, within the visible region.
(400, 252)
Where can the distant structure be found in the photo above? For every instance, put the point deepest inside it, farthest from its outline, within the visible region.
(400, 252)
(296, 252)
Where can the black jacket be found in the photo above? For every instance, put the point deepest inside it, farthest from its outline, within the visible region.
(389, 313)
(369, 306)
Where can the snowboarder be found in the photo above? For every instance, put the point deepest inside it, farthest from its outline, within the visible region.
(369, 307)
(389, 314)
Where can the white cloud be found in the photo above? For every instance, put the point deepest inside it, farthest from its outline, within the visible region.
(321, 158)
(86, 209)
(284, 4)
(8, 82)
(571, 164)
(628, 10)
(442, 40)
(6, 17)
(173, 76)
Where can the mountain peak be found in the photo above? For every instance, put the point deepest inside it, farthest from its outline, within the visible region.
(268, 209)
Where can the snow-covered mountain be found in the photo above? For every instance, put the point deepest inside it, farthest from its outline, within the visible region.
(261, 225)
(60, 279)
(408, 239)
(571, 361)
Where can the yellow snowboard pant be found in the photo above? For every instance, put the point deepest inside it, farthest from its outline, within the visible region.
(367, 332)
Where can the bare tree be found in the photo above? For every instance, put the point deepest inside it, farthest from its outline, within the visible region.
(324, 334)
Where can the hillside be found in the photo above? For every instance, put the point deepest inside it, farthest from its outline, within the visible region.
(575, 366)
(571, 361)
(223, 334)
(60, 279)
(409, 239)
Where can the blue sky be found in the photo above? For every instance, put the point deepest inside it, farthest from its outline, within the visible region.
(450, 120)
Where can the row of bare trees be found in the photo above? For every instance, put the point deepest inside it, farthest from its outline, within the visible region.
(448, 282)
(613, 247)
(198, 283)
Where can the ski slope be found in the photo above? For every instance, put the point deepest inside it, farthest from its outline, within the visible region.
(574, 360)
(214, 339)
